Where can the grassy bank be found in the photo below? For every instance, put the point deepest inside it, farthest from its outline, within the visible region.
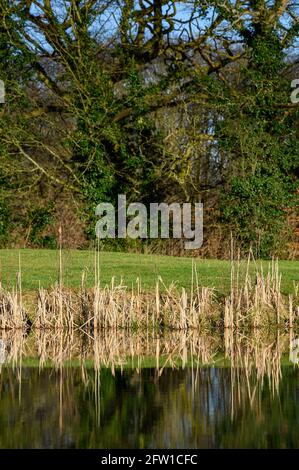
(41, 267)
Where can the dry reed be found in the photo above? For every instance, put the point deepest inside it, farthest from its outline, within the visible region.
(255, 300)
(12, 311)
(258, 300)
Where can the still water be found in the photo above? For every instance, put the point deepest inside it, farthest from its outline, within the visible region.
(213, 393)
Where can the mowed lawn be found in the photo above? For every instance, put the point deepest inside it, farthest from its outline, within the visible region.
(41, 267)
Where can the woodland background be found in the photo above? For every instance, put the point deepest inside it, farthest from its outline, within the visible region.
(164, 101)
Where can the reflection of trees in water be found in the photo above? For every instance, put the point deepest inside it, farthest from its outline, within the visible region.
(270, 421)
(192, 409)
(142, 409)
(197, 406)
(29, 410)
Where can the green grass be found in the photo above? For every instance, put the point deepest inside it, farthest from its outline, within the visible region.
(40, 267)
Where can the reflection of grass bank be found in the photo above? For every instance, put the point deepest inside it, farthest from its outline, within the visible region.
(250, 359)
(148, 362)
(40, 267)
(262, 350)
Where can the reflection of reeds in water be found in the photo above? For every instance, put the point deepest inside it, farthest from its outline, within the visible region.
(260, 353)
(13, 347)
(253, 360)
(110, 349)
(56, 347)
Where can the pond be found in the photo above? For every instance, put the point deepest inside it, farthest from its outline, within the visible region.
(120, 390)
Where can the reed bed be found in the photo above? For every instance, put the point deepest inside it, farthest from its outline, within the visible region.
(255, 300)
(56, 308)
(116, 306)
(258, 300)
(13, 314)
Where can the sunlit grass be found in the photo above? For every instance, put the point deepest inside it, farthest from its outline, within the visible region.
(41, 267)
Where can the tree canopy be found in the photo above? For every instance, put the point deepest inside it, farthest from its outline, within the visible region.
(161, 100)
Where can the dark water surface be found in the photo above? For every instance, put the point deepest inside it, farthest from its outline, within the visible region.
(120, 389)
(191, 407)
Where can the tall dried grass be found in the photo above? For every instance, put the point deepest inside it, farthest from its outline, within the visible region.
(12, 311)
(116, 306)
(56, 308)
(255, 300)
